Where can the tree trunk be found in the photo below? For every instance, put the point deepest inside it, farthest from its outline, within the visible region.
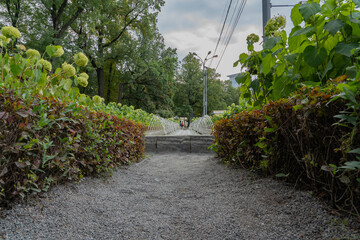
(109, 83)
(121, 90)
(101, 84)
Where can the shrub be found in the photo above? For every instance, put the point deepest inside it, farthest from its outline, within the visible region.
(45, 141)
(297, 139)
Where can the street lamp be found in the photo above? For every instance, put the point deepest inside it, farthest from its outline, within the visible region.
(205, 79)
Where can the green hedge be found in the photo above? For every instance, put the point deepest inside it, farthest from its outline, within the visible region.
(44, 141)
(297, 139)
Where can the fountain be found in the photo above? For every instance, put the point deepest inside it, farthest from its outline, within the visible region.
(203, 125)
(160, 126)
(164, 135)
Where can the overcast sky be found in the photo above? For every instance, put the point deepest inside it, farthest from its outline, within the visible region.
(194, 26)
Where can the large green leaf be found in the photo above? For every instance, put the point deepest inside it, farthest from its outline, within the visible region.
(268, 63)
(308, 31)
(315, 57)
(331, 42)
(271, 42)
(16, 69)
(308, 10)
(255, 85)
(67, 85)
(331, 4)
(242, 78)
(50, 50)
(292, 58)
(334, 26)
(37, 75)
(357, 2)
(296, 16)
(346, 48)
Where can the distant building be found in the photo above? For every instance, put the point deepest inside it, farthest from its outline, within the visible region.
(217, 112)
(232, 79)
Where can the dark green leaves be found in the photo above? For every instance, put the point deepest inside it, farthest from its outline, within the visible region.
(346, 48)
(315, 57)
(334, 26)
(357, 2)
(308, 10)
(308, 31)
(271, 42)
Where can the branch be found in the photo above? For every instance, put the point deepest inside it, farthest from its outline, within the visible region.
(61, 9)
(126, 25)
(71, 20)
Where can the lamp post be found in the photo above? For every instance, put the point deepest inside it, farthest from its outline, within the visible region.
(205, 79)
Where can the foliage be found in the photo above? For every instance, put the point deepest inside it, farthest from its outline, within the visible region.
(188, 98)
(45, 141)
(129, 63)
(318, 48)
(50, 131)
(299, 139)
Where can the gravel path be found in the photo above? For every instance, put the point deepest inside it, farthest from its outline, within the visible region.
(174, 196)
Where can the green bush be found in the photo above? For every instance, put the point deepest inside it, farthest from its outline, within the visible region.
(297, 139)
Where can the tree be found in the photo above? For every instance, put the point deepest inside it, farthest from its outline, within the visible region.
(188, 96)
(101, 35)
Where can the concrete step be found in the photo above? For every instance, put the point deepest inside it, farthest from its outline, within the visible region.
(189, 144)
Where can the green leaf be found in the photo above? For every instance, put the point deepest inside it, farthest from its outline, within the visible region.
(308, 31)
(331, 42)
(328, 67)
(50, 50)
(354, 17)
(271, 42)
(292, 58)
(313, 57)
(280, 175)
(350, 95)
(334, 26)
(255, 85)
(270, 130)
(280, 70)
(16, 69)
(346, 48)
(331, 4)
(357, 151)
(347, 118)
(37, 74)
(67, 85)
(357, 2)
(242, 78)
(353, 165)
(296, 16)
(351, 72)
(297, 107)
(43, 80)
(308, 10)
(268, 63)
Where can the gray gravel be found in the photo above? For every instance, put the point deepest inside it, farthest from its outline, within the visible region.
(174, 196)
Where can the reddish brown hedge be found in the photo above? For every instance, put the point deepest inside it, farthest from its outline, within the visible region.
(44, 141)
(297, 139)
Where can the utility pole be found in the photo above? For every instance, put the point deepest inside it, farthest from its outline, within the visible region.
(266, 9)
(204, 79)
(266, 5)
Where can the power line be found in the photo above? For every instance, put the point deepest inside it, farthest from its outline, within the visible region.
(223, 26)
(239, 13)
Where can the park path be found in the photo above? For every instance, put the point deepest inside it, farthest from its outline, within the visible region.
(174, 196)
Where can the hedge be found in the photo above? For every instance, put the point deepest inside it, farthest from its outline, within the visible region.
(44, 141)
(297, 139)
